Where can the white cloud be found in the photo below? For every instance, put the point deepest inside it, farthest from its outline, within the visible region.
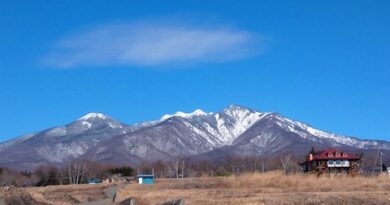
(149, 45)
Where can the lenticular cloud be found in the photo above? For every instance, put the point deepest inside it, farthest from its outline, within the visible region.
(148, 45)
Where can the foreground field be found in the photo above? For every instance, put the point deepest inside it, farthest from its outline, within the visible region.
(264, 189)
(100, 194)
(249, 189)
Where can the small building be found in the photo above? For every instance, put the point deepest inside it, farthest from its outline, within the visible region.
(94, 181)
(116, 178)
(145, 179)
(330, 161)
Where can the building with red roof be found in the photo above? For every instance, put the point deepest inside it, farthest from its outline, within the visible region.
(330, 161)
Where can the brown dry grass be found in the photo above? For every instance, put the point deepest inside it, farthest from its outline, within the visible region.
(248, 189)
(61, 195)
(16, 196)
(264, 189)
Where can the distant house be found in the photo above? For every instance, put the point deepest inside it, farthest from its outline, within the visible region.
(145, 179)
(116, 178)
(330, 161)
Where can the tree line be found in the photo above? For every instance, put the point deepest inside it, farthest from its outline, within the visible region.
(80, 171)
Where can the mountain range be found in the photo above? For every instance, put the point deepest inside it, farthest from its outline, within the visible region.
(234, 131)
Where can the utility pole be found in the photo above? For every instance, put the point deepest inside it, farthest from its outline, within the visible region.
(381, 158)
(376, 159)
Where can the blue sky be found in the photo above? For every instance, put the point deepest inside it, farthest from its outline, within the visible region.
(321, 62)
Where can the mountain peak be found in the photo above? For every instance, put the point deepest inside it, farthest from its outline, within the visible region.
(94, 116)
(236, 107)
(197, 112)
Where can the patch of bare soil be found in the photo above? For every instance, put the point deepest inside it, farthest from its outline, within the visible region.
(70, 194)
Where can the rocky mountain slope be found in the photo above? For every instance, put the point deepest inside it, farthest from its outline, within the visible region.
(236, 130)
(56, 145)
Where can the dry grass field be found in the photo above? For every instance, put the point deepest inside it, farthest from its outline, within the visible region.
(248, 189)
(61, 194)
(264, 189)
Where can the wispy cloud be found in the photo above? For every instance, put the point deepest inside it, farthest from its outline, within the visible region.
(149, 44)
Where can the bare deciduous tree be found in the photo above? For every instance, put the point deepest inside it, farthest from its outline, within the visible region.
(176, 167)
(76, 171)
(183, 168)
(285, 160)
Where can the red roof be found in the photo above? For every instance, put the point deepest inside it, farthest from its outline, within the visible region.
(331, 154)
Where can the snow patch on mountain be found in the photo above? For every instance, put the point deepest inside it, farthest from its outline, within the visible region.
(115, 125)
(63, 151)
(86, 124)
(263, 139)
(306, 132)
(94, 115)
(238, 120)
(58, 131)
(197, 112)
(206, 134)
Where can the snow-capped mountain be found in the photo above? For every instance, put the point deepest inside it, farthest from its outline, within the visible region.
(236, 130)
(55, 145)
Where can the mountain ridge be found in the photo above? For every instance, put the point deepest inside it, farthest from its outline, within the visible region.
(236, 130)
